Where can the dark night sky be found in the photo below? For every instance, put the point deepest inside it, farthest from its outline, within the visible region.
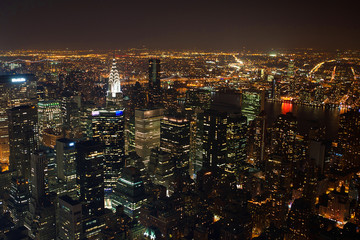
(174, 24)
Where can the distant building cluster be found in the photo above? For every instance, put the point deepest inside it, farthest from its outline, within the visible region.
(160, 148)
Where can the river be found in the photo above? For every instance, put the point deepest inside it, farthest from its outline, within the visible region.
(307, 116)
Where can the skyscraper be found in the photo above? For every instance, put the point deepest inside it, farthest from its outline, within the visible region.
(154, 74)
(23, 133)
(40, 219)
(108, 128)
(154, 83)
(161, 167)
(147, 131)
(70, 217)
(236, 137)
(129, 192)
(252, 104)
(66, 167)
(15, 90)
(19, 197)
(49, 117)
(214, 138)
(114, 94)
(175, 139)
(90, 176)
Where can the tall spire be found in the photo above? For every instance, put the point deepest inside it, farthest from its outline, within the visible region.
(114, 80)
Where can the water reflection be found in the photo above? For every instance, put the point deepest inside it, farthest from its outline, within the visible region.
(307, 116)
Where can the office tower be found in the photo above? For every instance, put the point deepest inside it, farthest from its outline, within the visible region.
(252, 104)
(114, 94)
(38, 186)
(108, 128)
(257, 134)
(40, 219)
(15, 90)
(90, 176)
(147, 131)
(154, 83)
(130, 135)
(154, 74)
(175, 139)
(66, 167)
(129, 192)
(52, 175)
(70, 217)
(161, 167)
(214, 138)
(23, 135)
(236, 137)
(348, 145)
(49, 118)
(19, 196)
(71, 112)
(284, 136)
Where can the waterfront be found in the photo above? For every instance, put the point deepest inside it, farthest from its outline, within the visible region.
(307, 116)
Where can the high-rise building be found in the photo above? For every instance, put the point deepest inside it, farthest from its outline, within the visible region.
(70, 217)
(348, 144)
(154, 74)
(90, 176)
(108, 128)
(49, 117)
(257, 138)
(19, 197)
(23, 134)
(214, 138)
(71, 112)
(114, 94)
(147, 131)
(129, 192)
(66, 167)
(38, 186)
(154, 83)
(161, 167)
(40, 219)
(15, 90)
(236, 137)
(252, 104)
(175, 139)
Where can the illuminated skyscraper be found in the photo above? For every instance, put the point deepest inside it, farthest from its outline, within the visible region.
(252, 104)
(154, 83)
(49, 117)
(154, 74)
(19, 197)
(70, 216)
(236, 137)
(175, 139)
(114, 93)
(147, 131)
(214, 138)
(23, 135)
(161, 167)
(66, 167)
(40, 219)
(15, 90)
(108, 128)
(129, 192)
(90, 176)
